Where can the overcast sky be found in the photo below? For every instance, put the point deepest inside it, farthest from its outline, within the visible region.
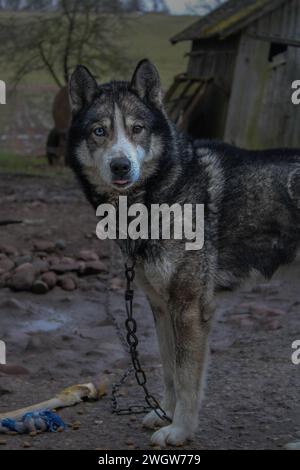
(181, 7)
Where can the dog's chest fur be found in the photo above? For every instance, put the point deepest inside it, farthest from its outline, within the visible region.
(154, 277)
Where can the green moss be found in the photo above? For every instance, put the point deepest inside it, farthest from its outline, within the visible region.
(230, 21)
(31, 166)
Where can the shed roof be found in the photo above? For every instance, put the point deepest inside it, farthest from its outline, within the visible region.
(229, 18)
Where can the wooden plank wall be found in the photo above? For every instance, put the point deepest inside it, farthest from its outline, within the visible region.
(214, 58)
(261, 113)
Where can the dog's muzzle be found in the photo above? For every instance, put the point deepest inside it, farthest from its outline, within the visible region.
(120, 169)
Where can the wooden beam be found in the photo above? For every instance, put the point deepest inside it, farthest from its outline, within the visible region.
(269, 7)
(278, 39)
(209, 52)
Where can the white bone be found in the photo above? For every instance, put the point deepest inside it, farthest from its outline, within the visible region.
(68, 397)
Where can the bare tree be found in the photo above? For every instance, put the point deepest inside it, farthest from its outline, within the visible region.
(145, 5)
(132, 5)
(55, 41)
(204, 6)
(160, 5)
(212, 5)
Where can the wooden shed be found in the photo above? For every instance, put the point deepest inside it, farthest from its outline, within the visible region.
(238, 85)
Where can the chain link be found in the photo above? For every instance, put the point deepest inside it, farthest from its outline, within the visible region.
(131, 343)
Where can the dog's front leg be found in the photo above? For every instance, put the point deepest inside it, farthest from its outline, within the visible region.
(164, 330)
(191, 329)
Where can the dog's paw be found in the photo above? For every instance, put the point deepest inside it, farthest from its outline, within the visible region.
(170, 435)
(152, 421)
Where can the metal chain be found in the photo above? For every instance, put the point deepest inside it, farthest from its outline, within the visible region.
(128, 372)
(131, 344)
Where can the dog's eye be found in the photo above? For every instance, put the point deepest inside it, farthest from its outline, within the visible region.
(137, 129)
(99, 131)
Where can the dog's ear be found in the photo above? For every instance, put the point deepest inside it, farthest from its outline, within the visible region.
(146, 83)
(82, 88)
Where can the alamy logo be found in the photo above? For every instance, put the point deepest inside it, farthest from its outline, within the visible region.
(296, 354)
(159, 222)
(2, 352)
(2, 92)
(296, 94)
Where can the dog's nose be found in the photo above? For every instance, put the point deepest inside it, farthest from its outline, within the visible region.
(120, 166)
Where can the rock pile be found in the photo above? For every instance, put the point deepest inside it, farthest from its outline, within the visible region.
(45, 266)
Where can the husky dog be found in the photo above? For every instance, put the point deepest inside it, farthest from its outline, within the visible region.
(121, 142)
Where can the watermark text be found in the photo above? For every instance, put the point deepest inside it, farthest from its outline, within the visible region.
(296, 354)
(2, 92)
(296, 94)
(159, 222)
(2, 352)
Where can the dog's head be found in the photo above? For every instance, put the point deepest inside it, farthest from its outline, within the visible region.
(119, 129)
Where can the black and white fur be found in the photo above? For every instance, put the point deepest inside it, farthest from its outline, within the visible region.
(122, 142)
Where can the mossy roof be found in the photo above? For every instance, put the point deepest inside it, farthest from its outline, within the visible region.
(229, 18)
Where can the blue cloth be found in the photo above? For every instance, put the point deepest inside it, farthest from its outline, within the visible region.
(34, 421)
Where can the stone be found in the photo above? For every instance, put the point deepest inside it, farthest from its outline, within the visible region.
(53, 259)
(92, 267)
(49, 278)
(23, 277)
(26, 445)
(61, 268)
(23, 259)
(5, 390)
(116, 283)
(4, 279)
(273, 324)
(8, 249)
(88, 255)
(39, 287)
(67, 283)
(260, 310)
(67, 259)
(44, 245)
(12, 369)
(41, 265)
(6, 264)
(61, 244)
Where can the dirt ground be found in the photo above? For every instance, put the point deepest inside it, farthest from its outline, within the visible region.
(67, 337)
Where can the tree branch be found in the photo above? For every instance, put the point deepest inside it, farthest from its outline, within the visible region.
(49, 66)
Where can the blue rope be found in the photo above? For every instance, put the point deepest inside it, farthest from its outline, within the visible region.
(34, 421)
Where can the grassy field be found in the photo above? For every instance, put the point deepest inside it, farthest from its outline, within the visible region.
(30, 165)
(142, 36)
(149, 36)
